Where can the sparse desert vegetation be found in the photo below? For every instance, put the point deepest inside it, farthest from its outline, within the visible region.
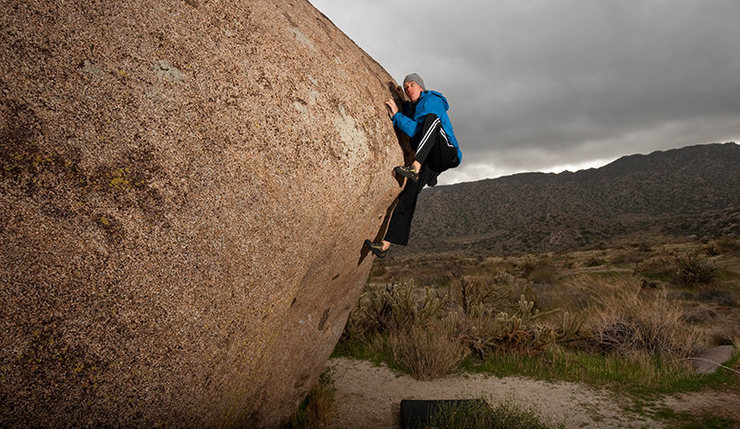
(629, 318)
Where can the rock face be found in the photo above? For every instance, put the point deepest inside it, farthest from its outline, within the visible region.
(186, 186)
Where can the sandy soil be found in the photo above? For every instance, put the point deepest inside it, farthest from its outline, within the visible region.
(369, 396)
(712, 403)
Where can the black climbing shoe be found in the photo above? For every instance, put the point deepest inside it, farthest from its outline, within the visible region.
(407, 172)
(376, 248)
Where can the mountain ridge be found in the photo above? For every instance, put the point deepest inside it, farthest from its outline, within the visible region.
(685, 191)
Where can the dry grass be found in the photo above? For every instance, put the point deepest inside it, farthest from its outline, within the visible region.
(638, 309)
(428, 351)
(728, 245)
(428, 334)
(627, 319)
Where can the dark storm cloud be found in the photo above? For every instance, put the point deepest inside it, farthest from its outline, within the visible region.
(539, 85)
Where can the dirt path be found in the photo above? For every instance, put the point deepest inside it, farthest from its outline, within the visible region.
(369, 396)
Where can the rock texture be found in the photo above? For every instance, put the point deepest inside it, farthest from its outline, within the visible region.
(710, 360)
(186, 186)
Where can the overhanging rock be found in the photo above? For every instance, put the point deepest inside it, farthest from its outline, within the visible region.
(186, 186)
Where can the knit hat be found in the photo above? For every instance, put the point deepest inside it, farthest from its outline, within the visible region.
(413, 77)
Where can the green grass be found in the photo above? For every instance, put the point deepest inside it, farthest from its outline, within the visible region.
(376, 353)
(355, 349)
(690, 421)
(637, 376)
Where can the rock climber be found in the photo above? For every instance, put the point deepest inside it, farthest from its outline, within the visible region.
(424, 119)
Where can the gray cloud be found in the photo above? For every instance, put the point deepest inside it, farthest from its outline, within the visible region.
(538, 85)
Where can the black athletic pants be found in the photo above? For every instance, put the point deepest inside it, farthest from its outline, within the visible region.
(436, 154)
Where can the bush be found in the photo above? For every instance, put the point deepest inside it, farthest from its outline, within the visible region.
(487, 331)
(625, 321)
(378, 269)
(718, 296)
(632, 256)
(475, 293)
(398, 324)
(390, 309)
(729, 245)
(712, 249)
(427, 351)
(655, 268)
(593, 261)
(539, 271)
(692, 269)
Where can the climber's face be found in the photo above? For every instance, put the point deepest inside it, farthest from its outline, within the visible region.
(413, 90)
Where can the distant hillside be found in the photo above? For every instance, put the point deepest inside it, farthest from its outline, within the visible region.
(690, 191)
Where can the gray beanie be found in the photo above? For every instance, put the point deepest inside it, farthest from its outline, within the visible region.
(413, 77)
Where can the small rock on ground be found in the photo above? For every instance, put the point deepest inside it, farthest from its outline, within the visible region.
(712, 358)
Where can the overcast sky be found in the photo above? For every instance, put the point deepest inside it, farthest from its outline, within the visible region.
(543, 85)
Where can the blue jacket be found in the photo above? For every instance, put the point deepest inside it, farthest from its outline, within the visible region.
(428, 102)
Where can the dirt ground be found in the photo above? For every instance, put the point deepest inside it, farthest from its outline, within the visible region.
(369, 396)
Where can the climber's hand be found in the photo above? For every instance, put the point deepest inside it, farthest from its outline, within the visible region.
(392, 108)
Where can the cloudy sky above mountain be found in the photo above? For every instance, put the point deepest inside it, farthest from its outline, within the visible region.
(542, 85)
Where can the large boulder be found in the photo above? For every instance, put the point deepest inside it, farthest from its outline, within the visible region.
(186, 186)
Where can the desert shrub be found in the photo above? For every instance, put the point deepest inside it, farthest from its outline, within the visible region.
(712, 249)
(486, 331)
(427, 351)
(718, 296)
(390, 308)
(632, 256)
(691, 269)
(493, 294)
(527, 266)
(317, 408)
(593, 261)
(479, 414)
(539, 271)
(643, 247)
(728, 245)
(625, 321)
(378, 269)
(402, 326)
(655, 268)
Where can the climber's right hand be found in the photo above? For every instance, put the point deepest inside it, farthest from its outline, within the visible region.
(392, 108)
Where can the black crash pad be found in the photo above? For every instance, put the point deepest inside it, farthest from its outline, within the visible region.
(416, 413)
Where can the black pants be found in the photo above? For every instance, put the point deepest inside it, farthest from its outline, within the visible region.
(436, 154)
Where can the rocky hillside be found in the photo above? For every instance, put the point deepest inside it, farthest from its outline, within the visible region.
(688, 191)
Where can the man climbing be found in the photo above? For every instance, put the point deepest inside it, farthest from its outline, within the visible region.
(424, 119)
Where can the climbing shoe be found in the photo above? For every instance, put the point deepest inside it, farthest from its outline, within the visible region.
(407, 172)
(376, 248)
